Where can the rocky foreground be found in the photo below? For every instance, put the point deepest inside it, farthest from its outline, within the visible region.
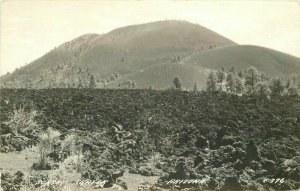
(229, 142)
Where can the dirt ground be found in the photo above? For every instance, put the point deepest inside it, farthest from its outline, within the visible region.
(14, 161)
(22, 161)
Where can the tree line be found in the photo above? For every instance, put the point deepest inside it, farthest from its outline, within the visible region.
(252, 82)
(249, 82)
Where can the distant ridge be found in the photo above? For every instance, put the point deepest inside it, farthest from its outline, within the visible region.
(143, 52)
(242, 56)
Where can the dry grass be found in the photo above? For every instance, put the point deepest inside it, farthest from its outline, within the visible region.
(14, 161)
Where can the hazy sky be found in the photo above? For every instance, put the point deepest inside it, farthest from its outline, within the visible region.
(30, 28)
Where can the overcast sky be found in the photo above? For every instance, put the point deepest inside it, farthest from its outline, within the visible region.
(30, 28)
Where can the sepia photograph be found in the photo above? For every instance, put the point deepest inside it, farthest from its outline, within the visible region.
(141, 95)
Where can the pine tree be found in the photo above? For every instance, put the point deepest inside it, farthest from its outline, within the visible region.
(288, 83)
(92, 83)
(177, 83)
(232, 70)
(277, 86)
(230, 82)
(263, 77)
(195, 87)
(133, 84)
(79, 85)
(211, 82)
(221, 77)
(79, 70)
(252, 77)
(116, 75)
(240, 74)
(295, 79)
(240, 88)
(292, 91)
(262, 89)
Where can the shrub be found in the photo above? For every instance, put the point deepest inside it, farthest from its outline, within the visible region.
(45, 147)
(23, 122)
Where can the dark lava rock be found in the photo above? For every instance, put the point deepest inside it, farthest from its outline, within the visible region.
(238, 144)
(239, 154)
(220, 135)
(181, 171)
(198, 160)
(252, 152)
(232, 183)
(268, 165)
(146, 171)
(212, 184)
(286, 185)
(117, 173)
(39, 166)
(201, 142)
(227, 140)
(295, 173)
(238, 165)
(254, 165)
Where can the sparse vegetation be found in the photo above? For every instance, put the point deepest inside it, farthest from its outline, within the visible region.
(105, 132)
(20, 129)
(254, 83)
(46, 144)
(82, 110)
(22, 122)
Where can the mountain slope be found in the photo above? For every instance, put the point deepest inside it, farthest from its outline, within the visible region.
(125, 51)
(242, 56)
(195, 67)
(129, 49)
(150, 54)
(161, 76)
(63, 56)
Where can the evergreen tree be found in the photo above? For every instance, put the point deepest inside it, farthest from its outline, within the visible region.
(288, 83)
(292, 91)
(277, 86)
(116, 75)
(79, 70)
(240, 88)
(230, 82)
(240, 74)
(133, 84)
(92, 83)
(263, 77)
(112, 78)
(211, 82)
(262, 89)
(221, 77)
(232, 70)
(195, 87)
(252, 77)
(79, 85)
(177, 83)
(295, 79)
